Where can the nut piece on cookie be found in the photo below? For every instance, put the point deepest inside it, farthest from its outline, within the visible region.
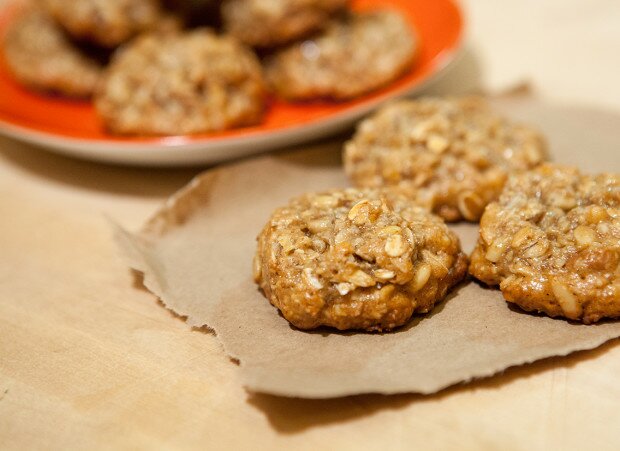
(356, 259)
(40, 56)
(450, 155)
(266, 23)
(552, 243)
(107, 23)
(181, 83)
(353, 56)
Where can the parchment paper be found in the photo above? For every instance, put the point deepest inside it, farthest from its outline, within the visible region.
(196, 255)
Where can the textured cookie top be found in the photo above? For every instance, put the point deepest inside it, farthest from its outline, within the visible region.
(351, 246)
(181, 83)
(352, 56)
(40, 55)
(553, 243)
(105, 22)
(450, 155)
(265, 23)
(362, 239)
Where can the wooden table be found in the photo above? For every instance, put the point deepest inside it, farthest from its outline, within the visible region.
(89, 360)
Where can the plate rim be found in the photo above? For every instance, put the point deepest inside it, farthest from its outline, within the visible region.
(165, 150)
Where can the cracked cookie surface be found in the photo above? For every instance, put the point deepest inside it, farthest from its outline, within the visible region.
(450, 155)
(356, 259)
(181, 83)
(351, 57)
(552, 243)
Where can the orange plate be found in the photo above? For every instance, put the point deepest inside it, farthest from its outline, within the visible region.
(73, 126)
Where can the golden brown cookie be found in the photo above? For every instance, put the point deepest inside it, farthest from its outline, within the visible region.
(552, 243)
(353, 56)
(356, 259)
(266, 23)
(181, 83)
(105, 22)
(449, 155)
(40, 56)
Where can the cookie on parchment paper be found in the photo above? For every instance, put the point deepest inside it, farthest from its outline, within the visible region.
(356, 259)
(552, 243)
(450, 155)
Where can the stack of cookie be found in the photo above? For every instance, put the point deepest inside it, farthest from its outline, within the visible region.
(151, 71)
(369, 257)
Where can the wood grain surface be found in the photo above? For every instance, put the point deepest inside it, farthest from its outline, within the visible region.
(88, 359)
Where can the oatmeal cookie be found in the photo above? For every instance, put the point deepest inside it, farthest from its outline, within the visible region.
(353, 56)
(356, 259)
(105, 22)
(181, 83)
(552, 243)
(40, 56)
(266, 23)
(451, 155)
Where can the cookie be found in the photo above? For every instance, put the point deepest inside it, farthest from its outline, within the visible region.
(105, 22)
(266, 23)
(356, 259)
(181, 83)
(450, 155)
(352, 57)
(552, 243)
(41, 56)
